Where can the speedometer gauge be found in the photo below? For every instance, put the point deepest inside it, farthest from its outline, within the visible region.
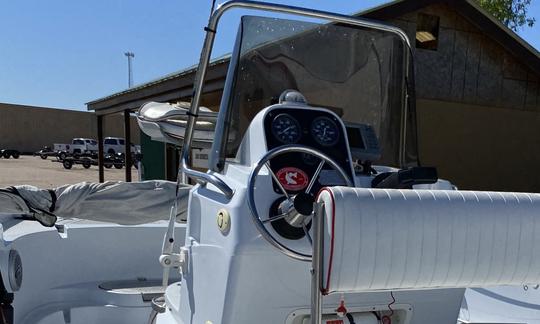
(286, 129)
(325, 131)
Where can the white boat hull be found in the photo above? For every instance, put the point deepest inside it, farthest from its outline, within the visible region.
(86, 272)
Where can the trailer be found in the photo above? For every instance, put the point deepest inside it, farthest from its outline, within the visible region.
(9, 153)
(45, 152)
(87, 160)
(69, 161)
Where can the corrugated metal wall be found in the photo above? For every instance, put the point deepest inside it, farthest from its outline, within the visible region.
(28, 129)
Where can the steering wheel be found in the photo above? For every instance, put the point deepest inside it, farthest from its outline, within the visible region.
(299, 207)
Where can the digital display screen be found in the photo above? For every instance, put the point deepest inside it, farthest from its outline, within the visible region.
(331, 178)
(355, 138)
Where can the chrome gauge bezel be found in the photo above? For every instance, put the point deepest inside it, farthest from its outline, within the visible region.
(334, 125)
(296, 125)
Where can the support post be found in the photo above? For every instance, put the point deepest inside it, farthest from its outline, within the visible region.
(317, 264)
(127, 144)
(101, 170)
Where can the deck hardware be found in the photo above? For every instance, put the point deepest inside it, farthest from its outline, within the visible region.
(15, 270)
(176, 260)
(223, 221)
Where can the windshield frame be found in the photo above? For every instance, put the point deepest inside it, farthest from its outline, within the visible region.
(185, 170)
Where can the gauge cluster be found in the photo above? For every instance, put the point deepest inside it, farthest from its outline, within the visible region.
(286, 129)
(325, 131)
(310, 127)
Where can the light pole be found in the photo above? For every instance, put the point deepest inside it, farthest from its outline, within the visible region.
(130, 56)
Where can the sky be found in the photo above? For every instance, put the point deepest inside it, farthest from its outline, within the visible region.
(64, 53)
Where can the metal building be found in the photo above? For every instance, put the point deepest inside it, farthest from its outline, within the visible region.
(50, 125)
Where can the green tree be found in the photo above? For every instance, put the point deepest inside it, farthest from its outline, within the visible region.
(512, 13)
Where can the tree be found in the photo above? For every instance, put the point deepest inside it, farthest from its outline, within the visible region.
(512, 13)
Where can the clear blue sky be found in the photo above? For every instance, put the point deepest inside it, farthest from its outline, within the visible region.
(64, 53)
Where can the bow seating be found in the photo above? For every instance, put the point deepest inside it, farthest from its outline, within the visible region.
(381, 239)
(166, 122)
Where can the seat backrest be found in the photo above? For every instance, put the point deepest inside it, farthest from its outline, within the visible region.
(166, 122)
(386, 239)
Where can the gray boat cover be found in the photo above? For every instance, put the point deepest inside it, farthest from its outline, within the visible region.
(125, 203)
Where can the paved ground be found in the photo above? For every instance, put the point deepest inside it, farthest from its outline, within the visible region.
(46, 174)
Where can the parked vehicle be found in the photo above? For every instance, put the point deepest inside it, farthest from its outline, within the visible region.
(77, 146)
(45, 152)
(114, 145)
(61, 147)
(118, 160)
(91, 145)
(8, 153)
(115, 159)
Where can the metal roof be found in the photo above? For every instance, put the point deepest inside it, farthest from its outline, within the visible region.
(97, 104)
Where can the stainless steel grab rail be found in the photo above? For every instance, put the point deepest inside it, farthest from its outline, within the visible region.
(185, 167)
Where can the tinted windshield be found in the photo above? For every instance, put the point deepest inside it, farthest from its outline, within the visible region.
(78, 142)
(110, 141)
(356, 72)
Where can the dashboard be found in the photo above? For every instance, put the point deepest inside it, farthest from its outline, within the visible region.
(314, 128)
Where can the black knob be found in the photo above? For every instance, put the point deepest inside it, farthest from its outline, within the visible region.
(303, 203)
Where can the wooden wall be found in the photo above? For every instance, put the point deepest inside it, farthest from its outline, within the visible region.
(468, 66)
(478, 107)
(480, 147)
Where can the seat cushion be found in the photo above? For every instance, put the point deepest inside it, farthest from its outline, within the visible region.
(386, 239)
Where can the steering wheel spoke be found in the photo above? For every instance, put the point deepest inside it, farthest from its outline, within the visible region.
(275, 218)
(315, 176)
(267, 164)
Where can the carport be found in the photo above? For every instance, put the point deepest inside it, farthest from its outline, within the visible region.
(172, 88)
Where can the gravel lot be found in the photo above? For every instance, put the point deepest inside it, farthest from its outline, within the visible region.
(46, 174)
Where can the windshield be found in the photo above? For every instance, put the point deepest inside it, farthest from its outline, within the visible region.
(356, 72)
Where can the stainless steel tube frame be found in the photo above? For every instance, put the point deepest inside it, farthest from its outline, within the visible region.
(211, 29)
(317, 264)
(204, 178)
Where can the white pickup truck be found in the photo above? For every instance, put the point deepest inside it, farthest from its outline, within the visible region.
(78, 146)
(113, 145)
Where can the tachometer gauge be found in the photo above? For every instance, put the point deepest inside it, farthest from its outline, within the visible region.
(325, 131)
(286, 129)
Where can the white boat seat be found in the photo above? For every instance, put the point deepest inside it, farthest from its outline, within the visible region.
(159, 111)
(386, 239)
(167, 122)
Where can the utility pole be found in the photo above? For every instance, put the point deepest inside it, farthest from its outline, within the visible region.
(130, 56)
